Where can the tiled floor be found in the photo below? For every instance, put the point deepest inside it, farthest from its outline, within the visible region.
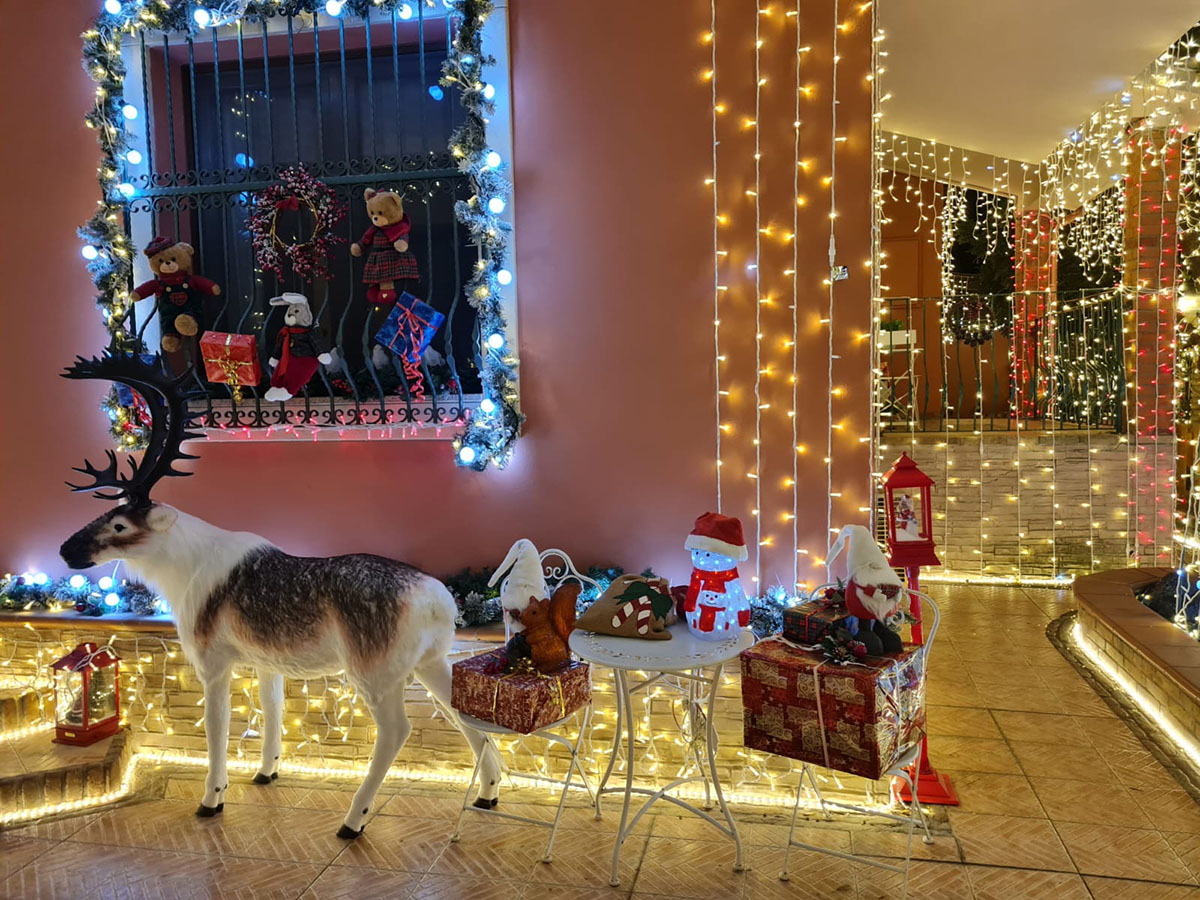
(1059, 800)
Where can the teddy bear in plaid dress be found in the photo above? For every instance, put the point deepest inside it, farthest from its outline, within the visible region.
(385, 242)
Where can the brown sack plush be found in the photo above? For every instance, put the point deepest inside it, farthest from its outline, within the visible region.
(633, 606)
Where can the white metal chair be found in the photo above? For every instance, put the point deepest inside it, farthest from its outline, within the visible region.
(903, 767)
(554, 575)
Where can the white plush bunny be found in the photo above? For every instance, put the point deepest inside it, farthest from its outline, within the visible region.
(524, 581)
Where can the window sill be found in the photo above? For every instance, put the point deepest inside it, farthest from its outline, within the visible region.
(336, 419)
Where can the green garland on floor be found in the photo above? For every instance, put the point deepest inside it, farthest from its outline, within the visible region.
(490, 433)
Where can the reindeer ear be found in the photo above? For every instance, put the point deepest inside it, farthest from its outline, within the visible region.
(160, 517)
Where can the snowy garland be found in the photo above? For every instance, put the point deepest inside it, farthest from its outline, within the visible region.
(296, 190)
(491, 432)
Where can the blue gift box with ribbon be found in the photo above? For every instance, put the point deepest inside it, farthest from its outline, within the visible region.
(409, 327)
(125, 394)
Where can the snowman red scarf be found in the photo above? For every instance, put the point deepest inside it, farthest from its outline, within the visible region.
(707, 581)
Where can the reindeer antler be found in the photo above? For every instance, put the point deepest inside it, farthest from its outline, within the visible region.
(166, 399)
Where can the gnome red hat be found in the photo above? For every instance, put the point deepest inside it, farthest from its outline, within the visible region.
(718, 534)
(158, 245)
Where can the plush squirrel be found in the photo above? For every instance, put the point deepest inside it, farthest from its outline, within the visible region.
(386, 244)
(874, 592)
(548, 624)
(180, 291)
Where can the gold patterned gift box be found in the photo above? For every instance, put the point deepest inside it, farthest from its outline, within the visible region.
(856, 718)
(522, 701)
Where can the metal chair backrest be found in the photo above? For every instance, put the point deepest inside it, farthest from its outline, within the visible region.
(553, 575)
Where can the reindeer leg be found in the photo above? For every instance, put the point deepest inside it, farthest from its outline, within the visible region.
(216, 731)
(270, 695)
(436, 677)
(392, 730)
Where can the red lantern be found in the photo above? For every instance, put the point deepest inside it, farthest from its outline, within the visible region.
(87, 695)
(909, 515)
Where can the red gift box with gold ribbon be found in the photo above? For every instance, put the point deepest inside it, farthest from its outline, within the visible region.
(857, 718)
(522, 701)
(231, 359)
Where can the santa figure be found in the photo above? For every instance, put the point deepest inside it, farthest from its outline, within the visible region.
(715, 605)
(874, 592)
(907, 526)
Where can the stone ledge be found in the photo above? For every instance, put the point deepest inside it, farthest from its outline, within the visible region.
(1108, 599)
(57, 773)
(162, 625)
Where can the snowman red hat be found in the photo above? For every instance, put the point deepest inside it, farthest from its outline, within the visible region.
(718, 534)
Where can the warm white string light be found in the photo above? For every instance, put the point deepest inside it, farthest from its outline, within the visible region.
(711, 37)
(833, 142)
(758, 298)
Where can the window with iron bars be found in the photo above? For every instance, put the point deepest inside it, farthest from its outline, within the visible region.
(357, 103)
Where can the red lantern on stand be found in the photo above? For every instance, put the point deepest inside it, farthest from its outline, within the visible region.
(909, 516)
(87, 695)
(906, 491)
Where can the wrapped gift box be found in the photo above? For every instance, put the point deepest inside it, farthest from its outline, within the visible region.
(857, 718)
(808, 622)
(520, 701)
(409, 327)
(230, 359)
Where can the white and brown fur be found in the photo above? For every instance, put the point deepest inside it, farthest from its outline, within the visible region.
(238, 599)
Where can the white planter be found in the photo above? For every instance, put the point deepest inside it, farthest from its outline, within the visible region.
(892, 341)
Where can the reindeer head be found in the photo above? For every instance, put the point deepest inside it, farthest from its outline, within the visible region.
(135, 528)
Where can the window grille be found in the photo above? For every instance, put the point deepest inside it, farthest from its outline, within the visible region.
(211, 115)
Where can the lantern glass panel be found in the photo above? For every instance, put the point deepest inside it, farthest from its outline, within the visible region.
(69, 698)
(102, 694)
(908, 514)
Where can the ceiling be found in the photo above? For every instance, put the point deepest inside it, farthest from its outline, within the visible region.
(1013, 77)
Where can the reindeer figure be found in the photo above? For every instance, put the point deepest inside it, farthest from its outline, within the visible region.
(239, 599)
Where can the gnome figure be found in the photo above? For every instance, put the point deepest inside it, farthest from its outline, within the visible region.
(716, 606)
(874, 592)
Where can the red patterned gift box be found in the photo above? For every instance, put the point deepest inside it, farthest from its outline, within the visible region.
(520, 701)
(857, 718)
(231, 359)
(808, 622)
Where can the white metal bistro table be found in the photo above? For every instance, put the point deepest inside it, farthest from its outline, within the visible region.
(678, 665)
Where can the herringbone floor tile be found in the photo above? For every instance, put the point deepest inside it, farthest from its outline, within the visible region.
(343, 883)
(404, 844)
(1027, 884)
(468, 887)
(582, 860)
(1117, 889)
(811, 876)
(490, 851)
(1009, 841)
(84, 870)
(927, 880)
(695, 869)
(1119, 852)
(1169, 810)
(16, 852)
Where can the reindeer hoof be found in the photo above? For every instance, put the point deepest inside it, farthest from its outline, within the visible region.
(480, 803)
(260, 778)
(346, 833)
(207, 812)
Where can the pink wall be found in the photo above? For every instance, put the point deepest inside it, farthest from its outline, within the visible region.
(614, 234)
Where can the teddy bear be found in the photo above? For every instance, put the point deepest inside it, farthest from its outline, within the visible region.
(180, 291)
(386, 244)
(299, 347)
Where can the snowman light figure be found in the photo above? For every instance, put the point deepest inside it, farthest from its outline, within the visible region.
(716, 606)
